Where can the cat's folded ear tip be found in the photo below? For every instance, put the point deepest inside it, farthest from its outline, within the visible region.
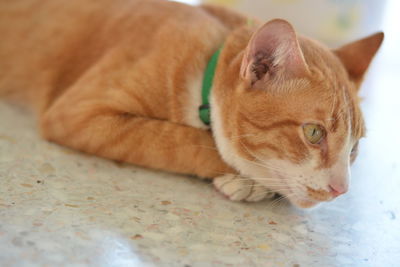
(378, 37)
(381, 35)
(357, 55)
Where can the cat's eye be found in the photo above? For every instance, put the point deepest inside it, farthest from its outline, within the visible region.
(354, 152)
(314, 133)
(355, 148)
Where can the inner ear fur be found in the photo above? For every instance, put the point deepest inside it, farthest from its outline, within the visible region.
(273, 51)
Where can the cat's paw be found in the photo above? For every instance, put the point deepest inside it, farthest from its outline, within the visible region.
(238, 188)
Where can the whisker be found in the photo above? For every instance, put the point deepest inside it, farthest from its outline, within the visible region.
(273, 204)
(259, 162)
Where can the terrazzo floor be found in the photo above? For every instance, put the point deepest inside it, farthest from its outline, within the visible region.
(59, 207)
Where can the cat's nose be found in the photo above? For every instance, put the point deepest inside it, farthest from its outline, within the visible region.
(338, 189)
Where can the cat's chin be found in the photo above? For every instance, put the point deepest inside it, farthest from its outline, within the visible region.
(304, 203)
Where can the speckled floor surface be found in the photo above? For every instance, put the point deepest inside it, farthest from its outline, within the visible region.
(62, 208)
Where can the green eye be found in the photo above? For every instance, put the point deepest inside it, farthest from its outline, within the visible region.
(313, 133)
(355, 148)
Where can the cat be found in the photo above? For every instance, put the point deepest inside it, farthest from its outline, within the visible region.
(123, 80)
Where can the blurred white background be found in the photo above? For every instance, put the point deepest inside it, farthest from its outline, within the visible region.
(331, 21)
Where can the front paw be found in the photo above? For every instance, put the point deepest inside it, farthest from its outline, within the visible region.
(239, 188)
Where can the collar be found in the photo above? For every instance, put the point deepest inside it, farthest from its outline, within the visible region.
(204, 109)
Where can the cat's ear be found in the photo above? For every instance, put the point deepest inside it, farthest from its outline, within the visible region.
(357, 55)
(273, 52)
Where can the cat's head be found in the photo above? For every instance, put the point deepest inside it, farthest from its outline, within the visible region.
(292, 120)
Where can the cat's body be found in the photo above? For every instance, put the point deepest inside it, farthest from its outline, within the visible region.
(86, 48)
(122, 80)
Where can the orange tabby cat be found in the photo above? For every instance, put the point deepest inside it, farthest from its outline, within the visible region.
(122, 79)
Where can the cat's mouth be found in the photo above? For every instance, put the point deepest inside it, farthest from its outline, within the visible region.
(300, 194)
(308, 198)
(301, 202)
(313, 198)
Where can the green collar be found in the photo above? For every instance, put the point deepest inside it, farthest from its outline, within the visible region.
(204, 109)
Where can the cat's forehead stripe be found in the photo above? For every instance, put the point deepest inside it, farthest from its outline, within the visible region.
(268, 127)
(290, 144)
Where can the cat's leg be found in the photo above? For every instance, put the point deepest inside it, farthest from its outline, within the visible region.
(239, 188)
(98, 126)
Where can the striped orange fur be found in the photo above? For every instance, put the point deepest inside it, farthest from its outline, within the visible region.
(121, 79)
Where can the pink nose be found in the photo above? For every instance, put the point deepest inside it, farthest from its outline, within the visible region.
(337, 190)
